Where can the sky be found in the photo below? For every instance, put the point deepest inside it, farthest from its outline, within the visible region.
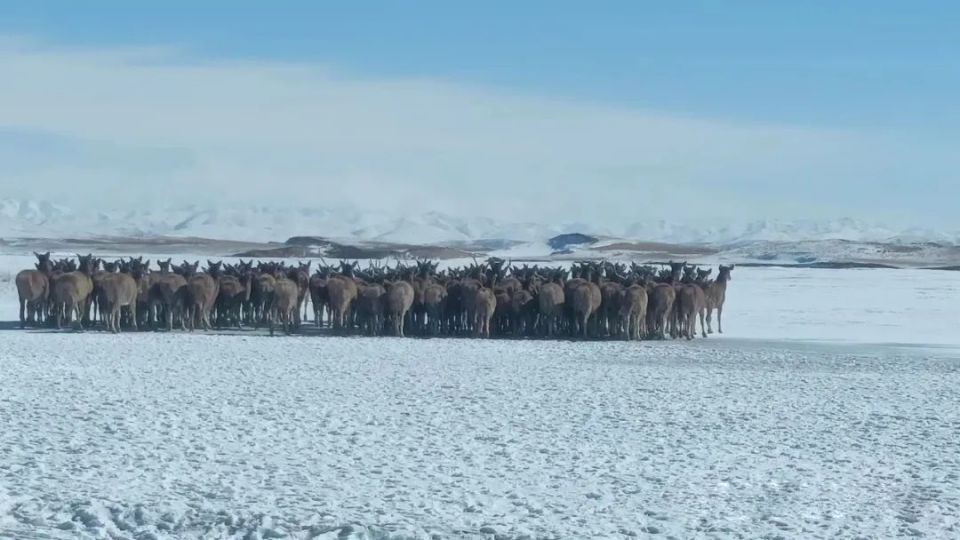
(608, 112)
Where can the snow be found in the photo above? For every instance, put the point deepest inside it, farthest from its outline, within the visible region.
(917, 307)
(827, 409)
(230, 436)
(262, 223)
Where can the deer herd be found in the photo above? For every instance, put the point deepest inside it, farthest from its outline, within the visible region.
(493, 298)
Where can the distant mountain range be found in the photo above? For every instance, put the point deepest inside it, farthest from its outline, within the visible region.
(25, 218)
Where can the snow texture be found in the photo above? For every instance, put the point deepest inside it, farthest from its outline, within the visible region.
(771, 430)
(170, 436)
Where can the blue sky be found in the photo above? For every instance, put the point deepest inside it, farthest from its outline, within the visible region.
(770, 107)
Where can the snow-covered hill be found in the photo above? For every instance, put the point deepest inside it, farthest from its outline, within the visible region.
(257, 223)
(733, 233)
(20, 218)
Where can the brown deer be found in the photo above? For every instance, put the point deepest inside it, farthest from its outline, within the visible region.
(522, 312)
(398, 301)
(587, 298)
(234, 291)
(301, 275)
(115, 291)
(716, 293)
(168, 294)
(551, 302)
(262, 297)
(319, 297)
(33, 288)
(660, 297)
(72, 290)
(369, 308)
(687, 307)
(484, 306)
(341, 292)
(284, 304)
(633, 312)
(434, 302)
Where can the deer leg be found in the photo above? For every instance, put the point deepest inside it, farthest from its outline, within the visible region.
(720, 319)
(193, 313)
(184, 314)
(79, 308)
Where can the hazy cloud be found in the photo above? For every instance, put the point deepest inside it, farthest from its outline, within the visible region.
(145, 126)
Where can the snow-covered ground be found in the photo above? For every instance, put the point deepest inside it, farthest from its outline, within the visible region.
(184, 436)
(772, 430)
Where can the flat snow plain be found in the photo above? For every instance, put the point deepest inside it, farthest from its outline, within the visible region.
(824, 411)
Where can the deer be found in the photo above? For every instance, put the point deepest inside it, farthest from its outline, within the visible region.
(716, 294)
(342, 291)
(398, 301)
(33, 290)
(284, 304)
(72, 290)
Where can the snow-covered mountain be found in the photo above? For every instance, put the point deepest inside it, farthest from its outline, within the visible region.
(783, 231)
(257, 223)
(19, 218)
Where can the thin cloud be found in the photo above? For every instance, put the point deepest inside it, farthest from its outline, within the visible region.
(157, 127)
